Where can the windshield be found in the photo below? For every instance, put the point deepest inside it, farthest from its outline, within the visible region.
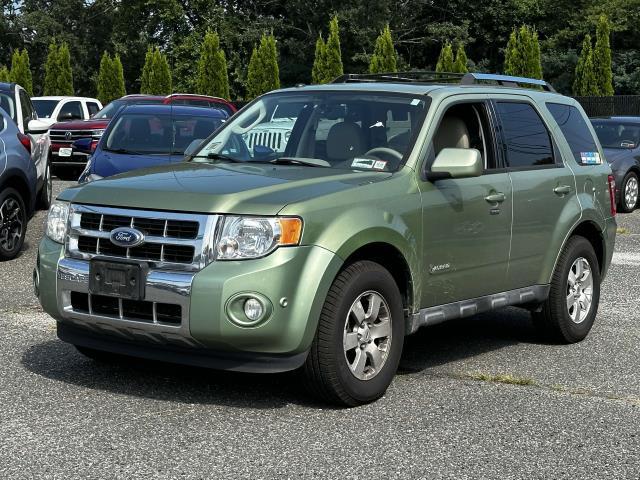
(44, 107)
(349, 130)
(617, 135)
(158, 134)
(7, 103)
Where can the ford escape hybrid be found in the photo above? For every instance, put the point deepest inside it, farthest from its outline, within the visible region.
(390, 203)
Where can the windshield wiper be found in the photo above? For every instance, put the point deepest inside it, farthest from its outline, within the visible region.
(311, 162)
(218, 156)
(122, 151)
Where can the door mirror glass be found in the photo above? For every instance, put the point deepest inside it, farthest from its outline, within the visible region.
(456, 163)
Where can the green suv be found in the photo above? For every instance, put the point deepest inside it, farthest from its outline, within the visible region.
(391, 202)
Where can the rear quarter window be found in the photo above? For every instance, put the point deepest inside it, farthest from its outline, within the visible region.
(576, 131)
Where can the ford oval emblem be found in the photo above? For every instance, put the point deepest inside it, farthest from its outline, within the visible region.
(126, 237)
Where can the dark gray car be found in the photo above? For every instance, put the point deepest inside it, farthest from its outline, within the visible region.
(620, 140)
(18, 179)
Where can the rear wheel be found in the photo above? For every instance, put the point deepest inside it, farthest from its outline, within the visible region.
(13, 223)
(629, 193)
(357, 347)
(568, 314)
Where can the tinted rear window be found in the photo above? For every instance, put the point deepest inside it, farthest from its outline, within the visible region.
(526, 139)
(575, 130)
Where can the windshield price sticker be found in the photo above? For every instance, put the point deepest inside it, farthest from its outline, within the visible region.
(590, 158)
(368, 163)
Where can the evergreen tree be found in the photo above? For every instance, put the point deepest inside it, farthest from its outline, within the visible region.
(65, 80)
(536, 61)
(460, 64)
(513, 62)
(522, 55)
(213, 78)
(105, 79)
(333, 52)
(21, 70)
(385, 58)
(118, 78)
(4, 74)
(445, 60)
(52, 70)
(156, 74)
(585, 81)
(602, 58)
(145, 77)
(318, 74)
(264, 74)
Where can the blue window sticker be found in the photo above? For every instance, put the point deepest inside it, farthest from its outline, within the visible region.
(590, 158)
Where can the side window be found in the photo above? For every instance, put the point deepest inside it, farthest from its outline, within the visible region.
(71, 111)
(465, 125)
(575, 130)
(527, 142)
(93, 108)
(27, 108)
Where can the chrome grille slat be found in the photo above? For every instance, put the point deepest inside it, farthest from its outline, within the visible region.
(190, 250)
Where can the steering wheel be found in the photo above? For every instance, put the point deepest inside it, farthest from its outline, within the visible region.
(389, 151)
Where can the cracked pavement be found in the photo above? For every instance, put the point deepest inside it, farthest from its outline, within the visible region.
(454, 410)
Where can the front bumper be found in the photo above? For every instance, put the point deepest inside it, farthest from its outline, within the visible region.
(205, 335)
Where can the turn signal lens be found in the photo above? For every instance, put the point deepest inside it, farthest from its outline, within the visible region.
(290, 231)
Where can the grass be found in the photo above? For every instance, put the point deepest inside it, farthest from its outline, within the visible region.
(501, 378)
(622, 231)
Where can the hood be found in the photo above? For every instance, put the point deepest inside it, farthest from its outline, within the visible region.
(82, 124)
(107, 164)
(220, 188)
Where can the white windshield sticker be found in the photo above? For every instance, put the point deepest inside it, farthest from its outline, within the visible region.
(380, 165)
(369, 163)
(590, 158)
(415, 101)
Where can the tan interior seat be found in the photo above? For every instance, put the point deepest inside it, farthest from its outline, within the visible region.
(452, 133)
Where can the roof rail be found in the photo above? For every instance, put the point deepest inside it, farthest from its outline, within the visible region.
(444, 77)
(504, 80)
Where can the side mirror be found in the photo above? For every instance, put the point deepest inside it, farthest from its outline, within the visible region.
(192, 147)
(262, 151)
(83, 145)
(456, 163)
(37, 126)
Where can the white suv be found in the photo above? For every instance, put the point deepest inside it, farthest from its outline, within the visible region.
(60, 109)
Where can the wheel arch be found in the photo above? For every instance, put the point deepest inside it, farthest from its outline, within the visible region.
(593, 233)
(14, 179)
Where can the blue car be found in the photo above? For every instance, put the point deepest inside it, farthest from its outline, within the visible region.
(142, 136)
(18, 187)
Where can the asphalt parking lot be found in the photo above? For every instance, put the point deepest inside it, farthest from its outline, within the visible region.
(476, 398)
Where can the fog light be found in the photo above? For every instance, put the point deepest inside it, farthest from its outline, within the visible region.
(253, 309)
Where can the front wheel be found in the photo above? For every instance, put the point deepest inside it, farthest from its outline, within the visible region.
(356, 350)
(568, 314)
(13, 223)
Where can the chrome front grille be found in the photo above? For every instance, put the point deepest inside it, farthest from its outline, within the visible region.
(175, 241)
(60, 136)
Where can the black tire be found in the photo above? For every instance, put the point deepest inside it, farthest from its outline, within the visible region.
(9, 249)
(99, 355)
(622, 203)
(554, 321)
(44, 196)
(326, 370)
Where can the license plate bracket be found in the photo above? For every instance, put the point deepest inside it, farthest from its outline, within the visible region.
(117, 279)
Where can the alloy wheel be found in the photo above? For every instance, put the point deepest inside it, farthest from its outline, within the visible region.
(579, 290)
(11, 224)
(367, 335)
(631, 193)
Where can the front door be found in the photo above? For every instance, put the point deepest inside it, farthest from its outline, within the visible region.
(466, 222)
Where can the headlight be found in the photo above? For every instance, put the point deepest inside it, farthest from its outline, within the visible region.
(253, 237)
(56, 228)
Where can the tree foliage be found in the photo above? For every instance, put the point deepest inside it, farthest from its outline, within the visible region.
(602, 57)
(264, 74)
(110, 84)
(156, 74)
(586, 82)
(318, 72)
(213, 78)
(445, 59)
(385, 57)
(21, 70)
(333, 55)
(460, 63)
(4, 74)
(522, 55)
(58, 78)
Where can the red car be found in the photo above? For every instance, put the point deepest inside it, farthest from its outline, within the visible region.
(67, 163)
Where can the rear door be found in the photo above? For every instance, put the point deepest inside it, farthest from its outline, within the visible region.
(543, 188)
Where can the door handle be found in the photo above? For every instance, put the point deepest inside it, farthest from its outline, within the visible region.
(495, 197)
(562, 189)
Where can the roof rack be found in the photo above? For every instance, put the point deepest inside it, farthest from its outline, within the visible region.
(445, 78)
